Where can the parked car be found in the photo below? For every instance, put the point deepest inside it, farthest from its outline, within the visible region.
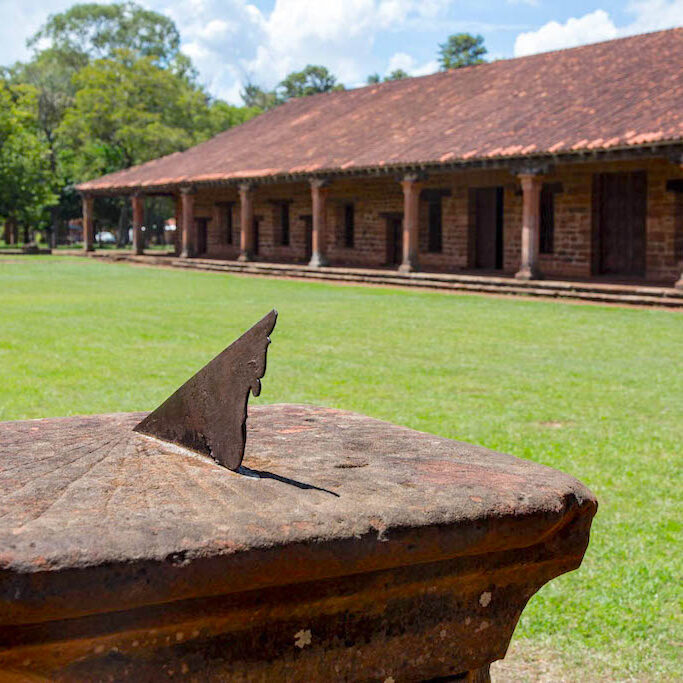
(105, 237)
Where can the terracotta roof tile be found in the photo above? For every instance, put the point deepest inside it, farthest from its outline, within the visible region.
(612, 94)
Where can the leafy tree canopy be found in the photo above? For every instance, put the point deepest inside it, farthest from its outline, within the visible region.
(461, 49)
(26, 187)
(98, 31)
(255, 96)
(311, 80)
(128, 110)
(395, 75)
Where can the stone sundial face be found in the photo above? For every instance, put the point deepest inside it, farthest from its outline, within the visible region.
(133, 543)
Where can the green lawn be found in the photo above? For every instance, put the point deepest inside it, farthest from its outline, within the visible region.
(595, 391)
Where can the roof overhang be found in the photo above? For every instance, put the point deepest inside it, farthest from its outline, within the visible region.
(671, 150)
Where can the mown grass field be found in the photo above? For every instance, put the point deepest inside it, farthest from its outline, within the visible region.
(595, 391)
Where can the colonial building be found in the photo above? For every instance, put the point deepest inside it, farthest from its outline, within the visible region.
(564, 164)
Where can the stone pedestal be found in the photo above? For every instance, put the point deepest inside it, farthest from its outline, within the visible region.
(345, 549)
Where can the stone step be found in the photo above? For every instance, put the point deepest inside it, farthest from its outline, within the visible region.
(634, 295)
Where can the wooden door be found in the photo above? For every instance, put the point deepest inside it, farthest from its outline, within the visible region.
(201, 224)
(621, 204)
(394, 240)
(488, 228)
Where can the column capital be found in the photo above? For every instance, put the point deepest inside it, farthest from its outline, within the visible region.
(246, 187)
(413, 177)
(136, 194)
(188, 189)
(319, 183)
(531, 168)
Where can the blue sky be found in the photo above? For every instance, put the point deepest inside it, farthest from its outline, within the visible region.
(232, 40)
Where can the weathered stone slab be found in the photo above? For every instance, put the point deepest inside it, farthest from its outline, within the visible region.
(352, 549)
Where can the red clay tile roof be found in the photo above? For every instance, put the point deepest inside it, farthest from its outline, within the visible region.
(620, 93)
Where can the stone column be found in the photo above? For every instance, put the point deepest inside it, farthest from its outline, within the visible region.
(531, 225)
(411, 223)
(189, 247)
(177, 235)
(319, 192)
(246, 222)
(138, 201)
(88, 223)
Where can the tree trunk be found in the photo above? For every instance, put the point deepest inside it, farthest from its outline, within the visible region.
(26, 238)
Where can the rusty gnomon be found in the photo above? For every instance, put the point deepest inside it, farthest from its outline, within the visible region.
(208, 414)
(361, 551)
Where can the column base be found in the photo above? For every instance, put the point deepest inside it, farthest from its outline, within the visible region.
(408, 268)
(318, 261)
(245, 257)
(186, 253)
(526, 273)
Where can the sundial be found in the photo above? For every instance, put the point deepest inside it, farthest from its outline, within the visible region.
(140, 546)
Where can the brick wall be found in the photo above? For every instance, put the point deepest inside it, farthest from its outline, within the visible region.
(375, 199)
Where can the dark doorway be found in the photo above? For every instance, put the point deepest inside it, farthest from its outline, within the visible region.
(256, 235)
(488, 227)
(201, 224)
(620, 205)
(395, 239)
(307, 220)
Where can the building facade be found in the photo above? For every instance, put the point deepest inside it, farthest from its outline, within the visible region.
(589, 191)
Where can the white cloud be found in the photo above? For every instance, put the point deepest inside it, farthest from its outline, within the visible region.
(339, 34)
(404, 61)
(649, 15)
(589, 28)
(401, 60)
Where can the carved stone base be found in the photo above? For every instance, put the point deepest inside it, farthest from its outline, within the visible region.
(318, 260)
(528, 273)
(408, 268)
(245, 257)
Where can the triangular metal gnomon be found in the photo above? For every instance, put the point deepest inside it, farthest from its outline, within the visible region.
(208, 413)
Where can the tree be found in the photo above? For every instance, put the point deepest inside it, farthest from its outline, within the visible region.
(127, 111)
(461, 49)
(26, 188)
(397, 75)
(255, 96)
(97, 31)
(311, 80)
